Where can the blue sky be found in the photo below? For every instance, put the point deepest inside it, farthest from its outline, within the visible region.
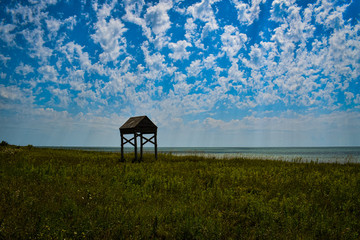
(208, 73)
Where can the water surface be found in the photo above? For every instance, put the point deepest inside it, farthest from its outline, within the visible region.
(320, 154)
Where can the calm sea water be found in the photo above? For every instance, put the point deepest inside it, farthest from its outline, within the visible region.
(320, 154)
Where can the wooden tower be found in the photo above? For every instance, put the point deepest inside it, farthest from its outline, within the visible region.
(138, 126)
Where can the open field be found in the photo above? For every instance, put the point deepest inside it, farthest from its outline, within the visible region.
(70, 194)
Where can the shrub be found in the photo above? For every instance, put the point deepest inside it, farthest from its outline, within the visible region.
(4, 144)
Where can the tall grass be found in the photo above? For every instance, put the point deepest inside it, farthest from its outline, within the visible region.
(69, 194)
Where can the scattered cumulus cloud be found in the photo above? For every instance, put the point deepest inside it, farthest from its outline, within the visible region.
(248, 13)
(6, 34)
(24, 69)
(4, 59)
(36, 44)
(48, 73)
(232, 40)
(179, 50)
(109, 35)
(204, 12)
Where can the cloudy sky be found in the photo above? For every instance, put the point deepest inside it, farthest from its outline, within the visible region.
(240, 73)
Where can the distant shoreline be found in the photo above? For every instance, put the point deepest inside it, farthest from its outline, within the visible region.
(305, 154)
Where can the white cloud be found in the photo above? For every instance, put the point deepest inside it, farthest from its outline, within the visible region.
(11, 92)
(195, 68)
(335, 19)
(287, 123)
(179, 50)
(157, 17)
(357, 99)
(330, 15)
(235, 74)
(24, 69)
(153, 61)
(349, 96)
(23, 15)
(6, 34)
(200, 11)
(36, 42)
(74, 52)
(279, 9)
(156, 63)
(61, 128)
(109, 35)
(232, 41)
(53, 25)
(154, 23)
(256, 57)
(192, 34)
(205, 13)
(105, 9)
(87, 97)
(267, 96)
(247, 13)
(178, 104)
(133, 9)
(210, 62)
(122, 83)
(60, 97)
(181, 87)
(190, 28)
(158, 21)
(4, 59)
(13, 97)
(342, 53)
(49, 73)
(334, 129)
(125, 64)
(76, 80)
(294, 27)
(70, 22)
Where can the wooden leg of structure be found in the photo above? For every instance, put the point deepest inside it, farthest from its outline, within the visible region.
(122, 148)
(141, 146)
(135, 146)
(155, 143)
(143, 141)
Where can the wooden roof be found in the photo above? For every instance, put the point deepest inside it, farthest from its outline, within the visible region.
(140, 124)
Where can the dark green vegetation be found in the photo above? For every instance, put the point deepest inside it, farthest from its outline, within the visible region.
(53, 194)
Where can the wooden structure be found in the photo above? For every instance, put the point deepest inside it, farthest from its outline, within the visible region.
(138, 126)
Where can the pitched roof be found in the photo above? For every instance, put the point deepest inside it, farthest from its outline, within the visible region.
(138, 124)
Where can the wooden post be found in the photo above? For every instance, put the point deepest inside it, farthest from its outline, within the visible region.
(135, 145)
(155, 141)
(122, 147)
(141, 146)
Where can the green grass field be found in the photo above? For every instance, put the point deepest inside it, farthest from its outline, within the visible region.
(69, 194)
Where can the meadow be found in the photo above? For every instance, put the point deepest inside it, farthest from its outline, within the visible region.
(71, 194)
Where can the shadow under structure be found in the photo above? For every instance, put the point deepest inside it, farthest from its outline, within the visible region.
(137, 127)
